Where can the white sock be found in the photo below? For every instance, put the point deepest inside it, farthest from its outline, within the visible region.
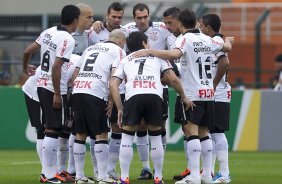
(206, 153)
(164, 140)
(143, 150)
(194, 152)
(39, 145)
(213, 156)
(79, 150)
(185, 150)
(114, 151)
(126, 154)
(157, 155)
(101, 150)
(71, 165)
(49, 154)
(93, 157)
(221, 149)
(62, 154)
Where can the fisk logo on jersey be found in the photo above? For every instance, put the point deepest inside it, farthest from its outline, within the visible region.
(142, 81)
(206, 93)
(82, 84)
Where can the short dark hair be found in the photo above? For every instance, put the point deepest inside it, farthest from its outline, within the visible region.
(116, 6)
(187, 18)
(69, 13)
(213, 21)
(173, 12)
(135, 40)
(141, 7)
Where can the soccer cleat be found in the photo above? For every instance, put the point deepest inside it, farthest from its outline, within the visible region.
(114, 175)
(145, 175)
(221, 179)
(189, 180)
(67, 176)
(83, 180)
(182, 175)
(126, 181)
(157, 181)
(108, 180)
(61, 178)
(42, 178)
(206, 179)
(212, 175)
(53, 180)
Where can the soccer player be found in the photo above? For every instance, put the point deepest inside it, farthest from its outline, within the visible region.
(56, 46)
(34, 112)
(113, 20)
(198, 86)
(170, 18)
(143, 100)
(210, 25)
(90, 97)
(82, 40)
(157, 37)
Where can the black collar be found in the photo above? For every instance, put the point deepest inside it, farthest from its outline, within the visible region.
(218, 34)
(61, 28)
(110, 42)
(105, 26)
(194, 30)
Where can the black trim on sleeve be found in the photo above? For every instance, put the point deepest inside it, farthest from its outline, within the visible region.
(64, 59)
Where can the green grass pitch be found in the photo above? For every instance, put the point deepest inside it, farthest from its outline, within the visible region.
(22, 167)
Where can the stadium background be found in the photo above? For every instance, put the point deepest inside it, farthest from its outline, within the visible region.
(255, 113)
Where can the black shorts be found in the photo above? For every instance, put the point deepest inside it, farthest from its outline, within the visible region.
(53, 117)
(179, 111)
(202, 114)
(33, 109)
(90, 114)
(113, 118)
(165, 104)
(147, 106)
(222, 110)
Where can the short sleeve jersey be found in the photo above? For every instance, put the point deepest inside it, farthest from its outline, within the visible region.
(196, 76)
(55, 42)
(95, 69)
(30, 86)
(223, 89)
(157, 34)
(142, 75)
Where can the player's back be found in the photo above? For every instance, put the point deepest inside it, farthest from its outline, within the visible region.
(95, 67)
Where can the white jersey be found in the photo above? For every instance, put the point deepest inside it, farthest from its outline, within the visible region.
(95, 69)
(157, 34)
(223, 89)
(73, 63)
(196, 76)
(142, 75)
(55, 42)
(104, 36)
(30, 86)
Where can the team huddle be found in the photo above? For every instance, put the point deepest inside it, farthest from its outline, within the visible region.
(103, 77)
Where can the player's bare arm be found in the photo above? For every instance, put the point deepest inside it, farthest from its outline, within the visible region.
(171, 79)
(56, 79)
(114, 92)
(27, 68)
(164, 54)
(222, 67)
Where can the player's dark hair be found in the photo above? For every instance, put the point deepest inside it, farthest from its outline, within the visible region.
(69, 14)
(135, 40)
(173, 12)
(213, 21)
(141, 7)
(116, 6)
(187, 18)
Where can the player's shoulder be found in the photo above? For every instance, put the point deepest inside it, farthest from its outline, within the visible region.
(218, 37)
(130, 26)
(159, 25)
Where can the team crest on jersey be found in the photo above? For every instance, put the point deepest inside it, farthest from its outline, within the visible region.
(153, 35)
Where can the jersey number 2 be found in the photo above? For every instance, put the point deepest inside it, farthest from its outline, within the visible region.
(91, 60)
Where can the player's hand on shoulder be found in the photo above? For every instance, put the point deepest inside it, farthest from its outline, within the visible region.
(230, 39)
(97, 26)
(141, 53)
